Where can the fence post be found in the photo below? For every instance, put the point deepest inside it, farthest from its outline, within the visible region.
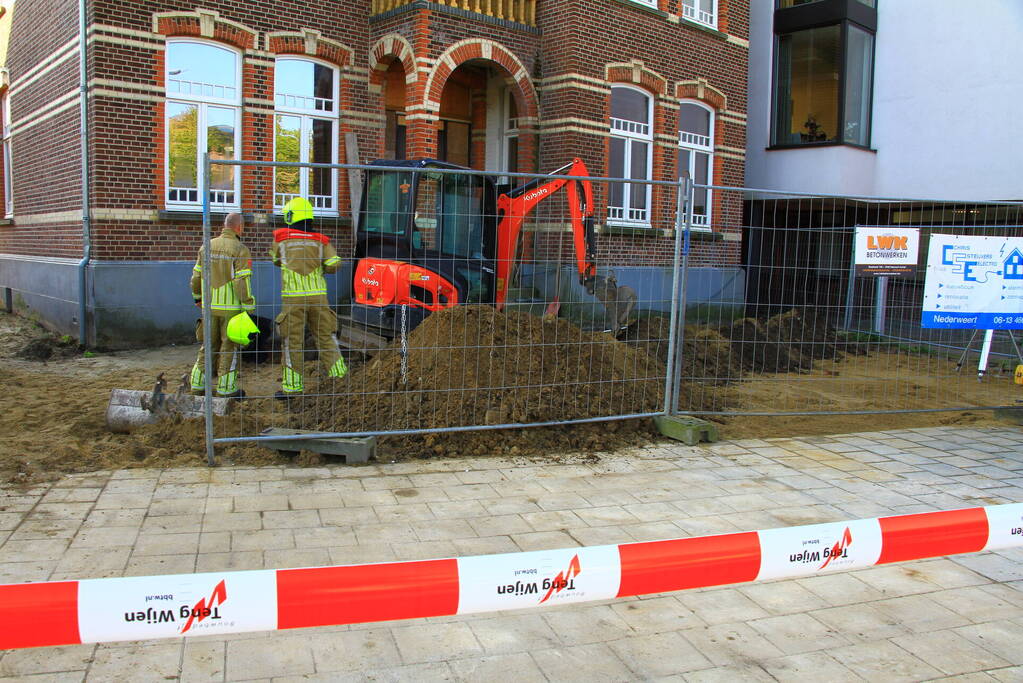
(207, 298)
(674, 327)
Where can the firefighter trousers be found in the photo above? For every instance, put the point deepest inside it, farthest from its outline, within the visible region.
(225, 356)
(314, 312)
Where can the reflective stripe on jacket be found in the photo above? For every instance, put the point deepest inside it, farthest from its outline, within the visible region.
(303, 258)
(231, 270)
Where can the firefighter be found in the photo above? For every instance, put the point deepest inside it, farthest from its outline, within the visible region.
(304, 257)
(231, 270)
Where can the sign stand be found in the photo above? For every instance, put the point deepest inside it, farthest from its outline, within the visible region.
(985, 351)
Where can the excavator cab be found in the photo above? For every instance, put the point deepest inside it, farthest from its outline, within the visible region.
(441, 224)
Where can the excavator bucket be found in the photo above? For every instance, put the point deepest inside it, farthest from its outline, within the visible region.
(129, 409)
(619, 301)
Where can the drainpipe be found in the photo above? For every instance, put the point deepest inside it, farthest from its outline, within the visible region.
(86, 215)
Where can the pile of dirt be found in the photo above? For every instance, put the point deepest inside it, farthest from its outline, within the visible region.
(707, 355)
(474, 365)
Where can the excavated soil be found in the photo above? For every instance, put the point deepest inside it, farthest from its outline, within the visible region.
(467, 366)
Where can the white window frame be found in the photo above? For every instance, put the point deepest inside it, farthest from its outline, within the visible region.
(294, 105)
(703, 144)
(692, 12)
(509, 132)
(632, 131)
(8, 166)
(648, 3)
(181, 91)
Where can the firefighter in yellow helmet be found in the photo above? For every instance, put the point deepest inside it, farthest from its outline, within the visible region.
(304, 257)
(231, 270)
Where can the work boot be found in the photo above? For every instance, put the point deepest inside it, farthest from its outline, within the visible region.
(285, 396)
(240, 394)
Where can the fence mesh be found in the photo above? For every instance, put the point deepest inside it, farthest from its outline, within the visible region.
(465, 302)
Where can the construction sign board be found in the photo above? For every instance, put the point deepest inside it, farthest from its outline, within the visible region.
(974, 283)
(887, 251)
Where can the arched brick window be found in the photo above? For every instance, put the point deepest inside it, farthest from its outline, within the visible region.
(631, 155)
(696, 154)
(203, 114)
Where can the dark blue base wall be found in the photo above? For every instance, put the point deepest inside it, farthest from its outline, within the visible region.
(135, 304)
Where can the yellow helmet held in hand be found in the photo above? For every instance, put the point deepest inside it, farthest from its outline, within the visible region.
(241, 329)
(298, 209)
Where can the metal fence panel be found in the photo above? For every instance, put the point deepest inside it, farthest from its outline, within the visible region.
(813, 337)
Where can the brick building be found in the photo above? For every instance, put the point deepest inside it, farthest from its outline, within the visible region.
(636, 88)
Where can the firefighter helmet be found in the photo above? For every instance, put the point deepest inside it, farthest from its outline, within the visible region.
(298, 209)
(241, 329)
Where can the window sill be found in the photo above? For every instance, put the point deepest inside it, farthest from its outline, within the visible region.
(6, 221)
(817, 145)
(645, 8)
(217, 217)
(703, 27)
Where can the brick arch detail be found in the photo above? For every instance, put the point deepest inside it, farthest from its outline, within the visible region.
(310, 43)
(701, 90)
(204, 23)
(489, 50)
(394, 46)
(636, 73)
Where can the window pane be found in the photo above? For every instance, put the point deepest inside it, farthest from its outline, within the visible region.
(630, 105)
(220, 145)
(806, 86)
(183, 145)
(694, 119)
(512, 160)
(303, 84)
(638, 170)
(701, 176)
(287, 147)
(201, 70)
(858, 77)
(684, 158)
(320, 146)
(616, 169)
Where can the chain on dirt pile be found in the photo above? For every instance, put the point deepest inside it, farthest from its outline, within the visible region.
(404, 346)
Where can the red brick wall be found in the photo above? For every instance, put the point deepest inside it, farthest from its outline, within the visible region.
(580, 37)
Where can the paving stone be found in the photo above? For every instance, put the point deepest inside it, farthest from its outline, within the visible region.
(352, 651)
(721, 606)
(232, 521)
(325, 537)
(783, 597)
(203, 660)
(500, 525)
(587, 623)
(659, 654)
(994, 567)
(290, 519)
(921, 612)
(490, 545)
(35, 550)
(21, 572)
(543, 540)
(423, 550)
(46, 660)
(269, 657)
(982, 603)
(596, 662)
(403, 512)
(115, 518)
(841, 588)
(346, 516)
(860, 622)
(243, 560)
(91, 563)
(731, 644)
(949, 652)
(432, 642)
(156, 661)
(166, 544)
(883, 660)
(261, 501)
(514, 633)
(1000, 638)
(266, 539)
(796, 633)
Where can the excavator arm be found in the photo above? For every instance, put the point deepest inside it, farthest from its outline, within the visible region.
(514, 206)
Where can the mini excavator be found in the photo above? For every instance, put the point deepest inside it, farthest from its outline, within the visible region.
(428, 240)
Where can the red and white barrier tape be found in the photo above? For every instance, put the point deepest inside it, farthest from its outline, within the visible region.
(147, 607)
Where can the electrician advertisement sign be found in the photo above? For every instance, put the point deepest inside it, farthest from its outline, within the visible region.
(974, 283)
(887, 251)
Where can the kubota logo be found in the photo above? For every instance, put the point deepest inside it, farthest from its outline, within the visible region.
(530, 196)
(840, 549)
(205, 608)
(564, 580)
(367, 281)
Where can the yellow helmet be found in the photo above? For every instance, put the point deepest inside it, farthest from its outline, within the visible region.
(241, 330)
(298, 209)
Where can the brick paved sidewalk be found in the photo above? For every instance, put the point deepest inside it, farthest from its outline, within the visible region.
(917, 621)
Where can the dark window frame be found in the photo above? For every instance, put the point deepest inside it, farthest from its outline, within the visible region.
(821, 14)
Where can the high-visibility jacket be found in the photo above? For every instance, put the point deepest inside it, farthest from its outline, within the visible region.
(231, 266)
(303, 257)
